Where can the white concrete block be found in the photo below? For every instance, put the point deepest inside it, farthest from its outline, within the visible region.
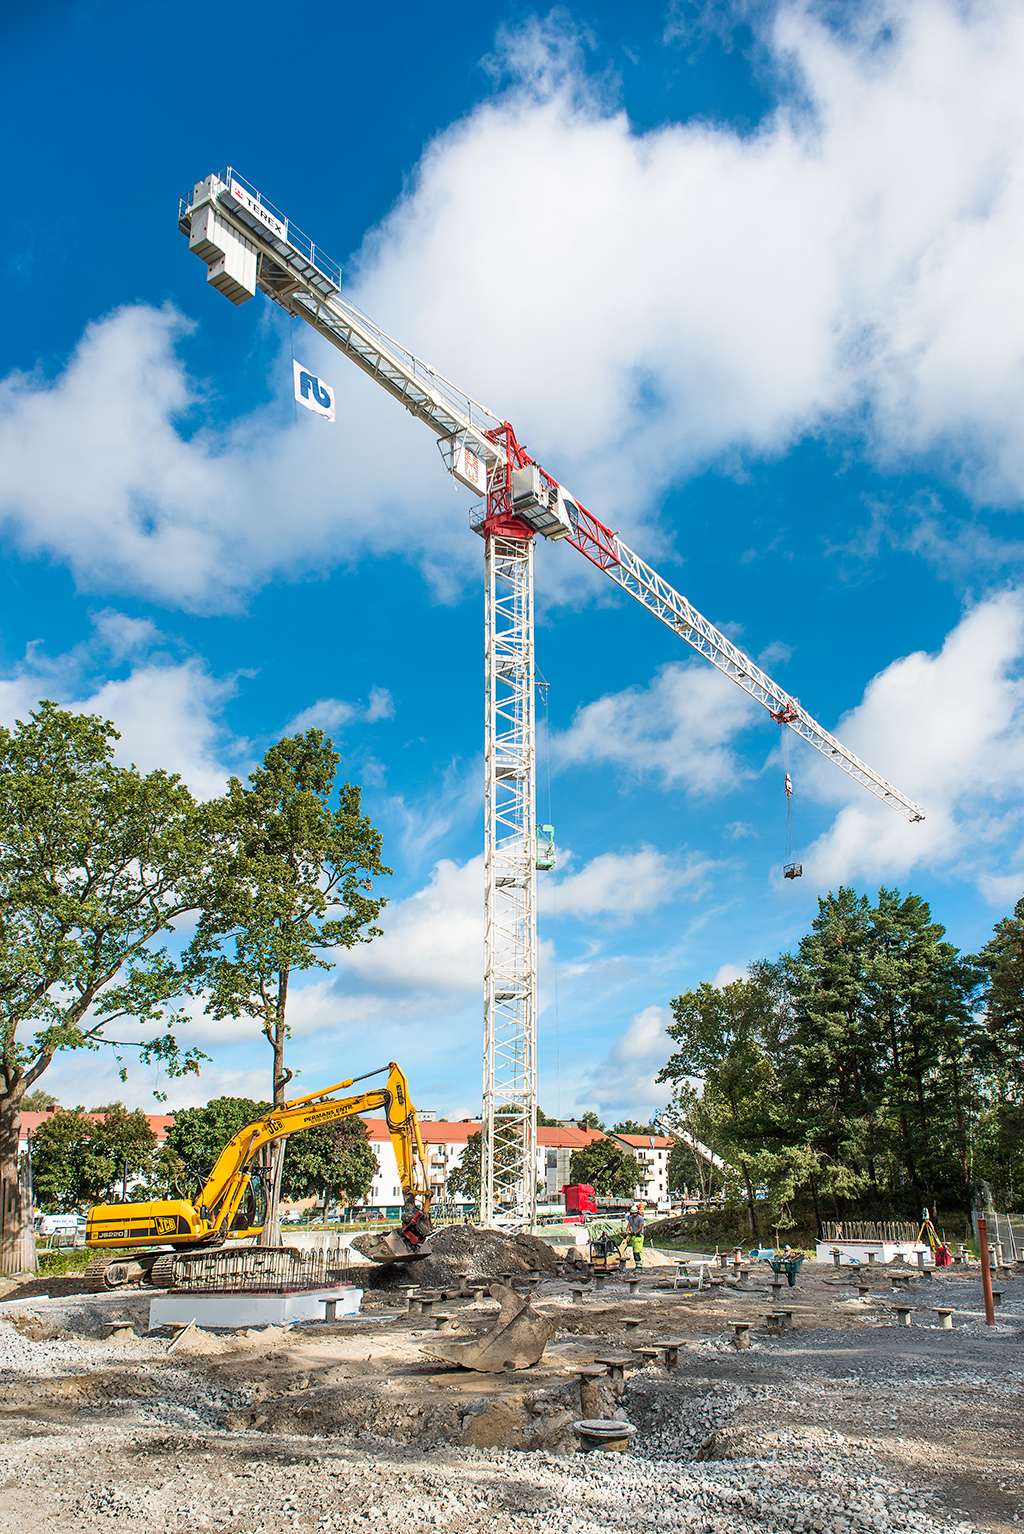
(235, 1310)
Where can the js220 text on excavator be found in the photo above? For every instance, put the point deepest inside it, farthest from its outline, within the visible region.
(178, 1240)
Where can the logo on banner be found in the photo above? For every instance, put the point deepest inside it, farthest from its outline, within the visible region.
(312, 392)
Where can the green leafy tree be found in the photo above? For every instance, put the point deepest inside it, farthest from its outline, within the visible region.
(632, 1127)
(198, 1135)
(1001, 967)
(726, 1036)
(464, 1180)
(999, 1143)
(335, 1164)
(78, 1161)
(611, 1171)
(127, 1137)
(589, 1120)
(97, 862)
(39, 1101)
(696, 1128)
(297, 887)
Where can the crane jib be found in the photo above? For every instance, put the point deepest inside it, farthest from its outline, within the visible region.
(248, 243)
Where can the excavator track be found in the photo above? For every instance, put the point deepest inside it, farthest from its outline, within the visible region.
(105, 1272)
(217, 1269)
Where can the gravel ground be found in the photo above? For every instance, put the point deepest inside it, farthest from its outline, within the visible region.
(845, 1425)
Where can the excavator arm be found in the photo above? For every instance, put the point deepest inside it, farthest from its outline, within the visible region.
(224, 1189)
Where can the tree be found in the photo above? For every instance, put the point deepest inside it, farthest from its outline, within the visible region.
(589, 1120)
(97, 862)
(696, 1128)
(725, 1036)
(611, 1171)
(335, 1164)
(198, 1135)
(297, 887)
(632, 1127)
(77, 1160)
(1001, 963)
(464, 1180)
(1000, 1139)
(39, 1101)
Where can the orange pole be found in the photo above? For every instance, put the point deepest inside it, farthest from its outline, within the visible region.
(986, 1271)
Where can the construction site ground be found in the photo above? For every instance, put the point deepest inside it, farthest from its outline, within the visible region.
(844, 1423)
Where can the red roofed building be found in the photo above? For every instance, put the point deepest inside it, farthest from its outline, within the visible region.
(159, 1123)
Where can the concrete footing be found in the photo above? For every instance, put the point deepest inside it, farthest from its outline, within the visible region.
(241, 1309)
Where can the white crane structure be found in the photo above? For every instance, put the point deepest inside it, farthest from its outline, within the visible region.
(249, 245)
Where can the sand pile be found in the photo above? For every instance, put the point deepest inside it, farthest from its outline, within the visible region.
(466, 1251)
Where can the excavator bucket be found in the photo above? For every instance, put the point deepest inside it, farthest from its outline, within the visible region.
(516, 1340)
(388, 1246)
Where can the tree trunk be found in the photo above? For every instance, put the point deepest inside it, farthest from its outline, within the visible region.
(751, 1205)
(17, 1243)
(271, 1232)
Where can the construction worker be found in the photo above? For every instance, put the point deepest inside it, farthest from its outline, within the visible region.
(635, 1231)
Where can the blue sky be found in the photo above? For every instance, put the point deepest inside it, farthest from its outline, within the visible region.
(746, 278)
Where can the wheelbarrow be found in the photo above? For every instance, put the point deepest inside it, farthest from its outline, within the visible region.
(788, 1265)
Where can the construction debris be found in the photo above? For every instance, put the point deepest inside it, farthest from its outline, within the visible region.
(465, 1252)
(516, 1340)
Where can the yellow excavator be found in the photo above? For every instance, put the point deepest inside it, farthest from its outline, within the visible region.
(177, 1239)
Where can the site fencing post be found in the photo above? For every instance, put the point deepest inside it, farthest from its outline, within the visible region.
(986, 1271)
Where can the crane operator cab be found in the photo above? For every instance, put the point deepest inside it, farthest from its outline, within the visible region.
(545, 848)
(793, 871)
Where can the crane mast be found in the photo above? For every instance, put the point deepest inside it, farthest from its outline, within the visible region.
(249, 245)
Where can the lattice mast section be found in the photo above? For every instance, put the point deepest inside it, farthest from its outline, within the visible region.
(508, 1167)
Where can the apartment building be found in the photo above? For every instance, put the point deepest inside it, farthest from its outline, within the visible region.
(651, 1153)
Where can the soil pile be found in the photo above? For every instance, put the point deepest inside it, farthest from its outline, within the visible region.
(465, 1251)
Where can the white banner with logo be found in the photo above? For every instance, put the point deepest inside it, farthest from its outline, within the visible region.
(312, 392)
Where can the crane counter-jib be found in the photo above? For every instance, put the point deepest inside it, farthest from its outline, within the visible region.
(248, 246)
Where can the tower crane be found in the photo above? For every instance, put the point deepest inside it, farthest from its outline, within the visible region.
(249, 245)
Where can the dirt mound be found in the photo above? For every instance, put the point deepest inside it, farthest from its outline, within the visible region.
(465, 1251)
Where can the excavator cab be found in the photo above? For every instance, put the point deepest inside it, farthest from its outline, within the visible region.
(545, 848)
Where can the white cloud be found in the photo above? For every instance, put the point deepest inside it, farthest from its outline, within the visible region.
(169, 714)
(678, 728)
(380, 706)
(948, 729)
(326, 714)
(433, 940)
(122, 635)
(623, 1084)
(329, 714)
(852, 261)
(623, 884)
(727, 973)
